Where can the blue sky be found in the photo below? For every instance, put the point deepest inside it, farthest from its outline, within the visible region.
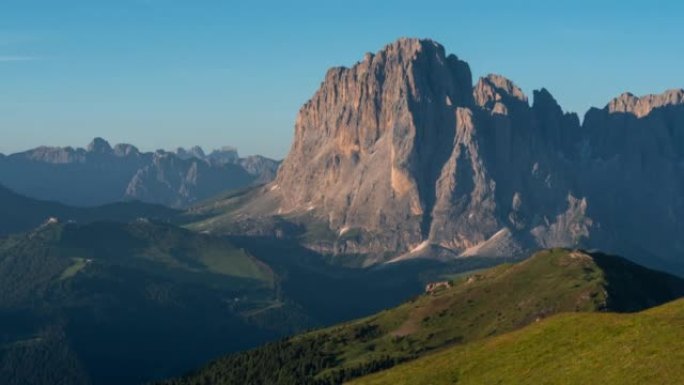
(165, 73)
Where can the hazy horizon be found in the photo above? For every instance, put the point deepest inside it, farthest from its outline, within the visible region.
(160, 74)
(206, 149)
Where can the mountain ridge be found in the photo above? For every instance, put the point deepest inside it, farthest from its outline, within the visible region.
(101, 174)
(19, 213)
(403, 149)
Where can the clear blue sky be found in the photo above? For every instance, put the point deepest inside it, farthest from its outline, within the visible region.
(165, 73)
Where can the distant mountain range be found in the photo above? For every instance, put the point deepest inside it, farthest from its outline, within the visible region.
(102, 174)
(401, 156)
(20, 214)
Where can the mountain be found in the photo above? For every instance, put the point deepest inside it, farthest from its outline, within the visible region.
(101, 174)
(19, 213)
(178, 183)
(630, 349)
(633, 173)
(264, 168)
(112, 303)
(467, 309)
(402, 156)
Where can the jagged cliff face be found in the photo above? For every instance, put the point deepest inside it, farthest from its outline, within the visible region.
(405, 153)
(507, 174)
(369, 146)
(404, 147)
(179, 182)
(632, 158)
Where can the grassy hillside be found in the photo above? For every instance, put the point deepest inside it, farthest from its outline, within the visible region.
(641, 348)
(481, 305)
(111, 303)
(164, 248)
(65, 250)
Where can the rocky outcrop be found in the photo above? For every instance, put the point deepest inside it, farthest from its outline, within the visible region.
(632, 172)
(369, 145)
(402, 155)
(103, 174)
(178, 183)
(193, 152)
(263, 169)
(404, 147)
(641, 106)
(224, 155)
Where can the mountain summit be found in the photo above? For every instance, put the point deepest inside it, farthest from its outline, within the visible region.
(371, 143)
(404, 147)
(401, 156)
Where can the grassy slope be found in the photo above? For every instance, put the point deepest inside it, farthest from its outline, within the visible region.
(159, 248)
(105, 296)
(495, 301)
(51, 256)
(250, 212)
(489, 303)
(641, 348)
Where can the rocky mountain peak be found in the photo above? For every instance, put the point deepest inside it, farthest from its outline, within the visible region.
(642, 106)
(376, 135)
(100, 146)
(192, 152)
(409, 48)
(224, 155)
(402, 151)
(124, 150)
(542, 99)
(403, 50)
(493, 91)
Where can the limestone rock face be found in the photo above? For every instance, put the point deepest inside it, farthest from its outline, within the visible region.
(370, 145)
(642, 106)
(403, 147)
(261, 168)
(401, 156)
(178, 182)
(632, 170)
